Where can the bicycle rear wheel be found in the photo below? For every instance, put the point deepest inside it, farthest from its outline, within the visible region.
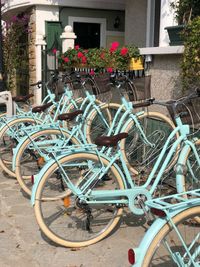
(29, 160)
(61, 215)
(166, 244)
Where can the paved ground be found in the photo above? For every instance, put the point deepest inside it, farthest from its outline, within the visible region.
(23, 245)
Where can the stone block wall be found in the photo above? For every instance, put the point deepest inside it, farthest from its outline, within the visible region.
(165, 78)
(32, 39)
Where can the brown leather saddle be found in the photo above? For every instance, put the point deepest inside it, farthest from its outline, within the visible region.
(41, 108)
(69, 116)
(110, 141)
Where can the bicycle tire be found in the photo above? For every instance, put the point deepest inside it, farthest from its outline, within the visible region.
(189, 183)
(75, 213)
(6, 163)
(181, 220)
(23, 171)
(94, 126)
(133, 145)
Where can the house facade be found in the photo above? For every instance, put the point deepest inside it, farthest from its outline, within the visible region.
(99, 23)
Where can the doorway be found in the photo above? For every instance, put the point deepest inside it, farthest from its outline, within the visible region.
(88, 34)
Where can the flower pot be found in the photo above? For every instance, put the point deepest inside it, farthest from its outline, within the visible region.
(174, 33)
(136, 64)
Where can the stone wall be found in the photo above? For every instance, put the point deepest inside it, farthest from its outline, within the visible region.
(165, 80)
(32, 38)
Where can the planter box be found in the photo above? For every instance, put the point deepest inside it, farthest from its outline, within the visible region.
(174, 33)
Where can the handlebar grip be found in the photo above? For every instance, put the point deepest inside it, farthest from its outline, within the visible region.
(141, 105)
(146, 103)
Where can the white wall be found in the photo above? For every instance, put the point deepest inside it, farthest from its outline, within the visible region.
(47, 13)
(108, 4)
(166, 19)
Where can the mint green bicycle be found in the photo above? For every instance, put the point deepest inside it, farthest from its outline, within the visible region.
(79, 196)
(174, 237)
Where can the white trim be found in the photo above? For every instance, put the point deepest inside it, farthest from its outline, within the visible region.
(115, 33)
(162, 50)
(101, 21)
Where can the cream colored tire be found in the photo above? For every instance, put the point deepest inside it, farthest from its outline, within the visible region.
(190, 213)
(39, 200)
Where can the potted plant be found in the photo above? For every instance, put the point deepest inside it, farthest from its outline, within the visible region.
(184, 11)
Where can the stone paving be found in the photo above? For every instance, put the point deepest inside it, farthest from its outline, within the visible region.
(23, 245)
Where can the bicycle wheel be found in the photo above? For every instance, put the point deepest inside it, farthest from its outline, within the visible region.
(167, 241)
(129, 91)
(29, 160)
(98, 124)
(191, 174)
(8, 140)
(60, 214)
(140, 157)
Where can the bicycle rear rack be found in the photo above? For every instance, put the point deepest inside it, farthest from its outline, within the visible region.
(177, 201)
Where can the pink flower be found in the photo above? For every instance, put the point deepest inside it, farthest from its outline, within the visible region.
(124, 51)
(66, 59)
(76, 47)
(84, 60)
(92, 72)
(54, 51)
(14, 18)
(110, 70)
(115, 45)
(80, 54)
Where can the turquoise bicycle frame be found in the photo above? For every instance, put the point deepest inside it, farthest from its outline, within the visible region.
(170, 210)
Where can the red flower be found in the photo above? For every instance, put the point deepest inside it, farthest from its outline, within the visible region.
(54, 51)
(76, 47)
(84, 60)
(66, 59)
(102, 55)
(110, 70)
(80, 54)
(92, 72)
(124, 51)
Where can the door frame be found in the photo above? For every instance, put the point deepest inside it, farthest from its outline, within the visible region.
(100, 21)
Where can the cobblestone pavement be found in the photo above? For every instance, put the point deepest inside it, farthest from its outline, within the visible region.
(23, 245)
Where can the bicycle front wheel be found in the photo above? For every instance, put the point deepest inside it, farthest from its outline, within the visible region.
(30, 157)
(61, 215)
(191, 174)
(166, 246)
(9, 136)
(141, 157)
(98, 123)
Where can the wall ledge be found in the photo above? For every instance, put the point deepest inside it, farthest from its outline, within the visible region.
(162, 50)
